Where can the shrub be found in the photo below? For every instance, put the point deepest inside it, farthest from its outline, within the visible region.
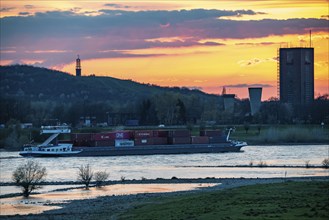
(100, 177)
(28, 176)
(325, 163)
(85, 174)
(262, 164)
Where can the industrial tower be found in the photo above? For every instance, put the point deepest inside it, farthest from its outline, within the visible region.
(296, 75)
(78, 67)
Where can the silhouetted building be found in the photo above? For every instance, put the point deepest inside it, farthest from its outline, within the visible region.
(296, 75)
(78, 67)
(229, 102)
(255, 97)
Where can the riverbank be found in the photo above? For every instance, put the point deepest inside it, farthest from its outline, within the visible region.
(113, 206)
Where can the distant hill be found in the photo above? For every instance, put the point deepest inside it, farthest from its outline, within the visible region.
(41, 84)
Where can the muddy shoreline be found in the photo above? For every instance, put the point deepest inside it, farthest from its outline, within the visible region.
(116, 204)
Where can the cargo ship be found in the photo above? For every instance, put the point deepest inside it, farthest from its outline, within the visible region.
(139, 142)
(150, 142)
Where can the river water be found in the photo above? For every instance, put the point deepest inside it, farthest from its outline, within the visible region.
(183, 166)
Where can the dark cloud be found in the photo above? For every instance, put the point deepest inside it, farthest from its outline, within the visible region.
(118, 30)
(248, 85)
(259, 44)
(112, 5)
(6, 9)
(28, 6)
(24, 13)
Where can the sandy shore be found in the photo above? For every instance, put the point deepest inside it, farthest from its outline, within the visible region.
(114, 204)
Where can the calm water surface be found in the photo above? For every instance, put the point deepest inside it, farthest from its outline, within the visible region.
(182, 166)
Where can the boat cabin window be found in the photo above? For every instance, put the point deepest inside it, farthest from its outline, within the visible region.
(48, 149)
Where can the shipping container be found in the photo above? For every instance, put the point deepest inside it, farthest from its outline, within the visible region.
(104, 136)
(124, 135)
(179, 133)
(151, 141)
(143, 141)
(124, 143)
(143, 134)
(83, 143)
(199, 140)
(211, 133)
(160, 140)
(160, 133)
(179, 140)
(82, 136)
(114, 135)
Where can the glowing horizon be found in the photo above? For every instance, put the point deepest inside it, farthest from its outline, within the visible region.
(204, 45)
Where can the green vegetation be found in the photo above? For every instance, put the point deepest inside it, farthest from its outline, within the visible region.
(289, 200)
(276, 134)
(38, 95)
(293, 135)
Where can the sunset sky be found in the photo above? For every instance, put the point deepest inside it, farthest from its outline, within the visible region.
(196, 44)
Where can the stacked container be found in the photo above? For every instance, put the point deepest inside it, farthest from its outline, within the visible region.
(82, 139)
(179, 137)
(100, 139)
(144, 137)
(215, 136)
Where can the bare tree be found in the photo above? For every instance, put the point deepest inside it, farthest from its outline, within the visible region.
(325, 163)
(28, 176)
(85, 174)
(100, 177)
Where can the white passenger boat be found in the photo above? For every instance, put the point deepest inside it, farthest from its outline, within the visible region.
(50, 147)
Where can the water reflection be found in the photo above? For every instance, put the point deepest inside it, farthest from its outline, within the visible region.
(39, 203)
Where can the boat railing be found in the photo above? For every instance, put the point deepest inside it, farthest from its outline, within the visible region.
(62, 129)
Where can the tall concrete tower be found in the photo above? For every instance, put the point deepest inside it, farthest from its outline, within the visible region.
(229, 102)
(78, 67)
(296, 75)
(255, 97)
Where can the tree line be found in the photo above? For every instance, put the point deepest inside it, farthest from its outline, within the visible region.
(168, 108)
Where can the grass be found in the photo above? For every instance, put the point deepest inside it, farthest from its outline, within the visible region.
(289, 200)
(283, 134)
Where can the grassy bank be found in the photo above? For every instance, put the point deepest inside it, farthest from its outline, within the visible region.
(290, 200)
(282, 134)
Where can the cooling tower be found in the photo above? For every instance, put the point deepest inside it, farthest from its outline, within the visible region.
(255, 97)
